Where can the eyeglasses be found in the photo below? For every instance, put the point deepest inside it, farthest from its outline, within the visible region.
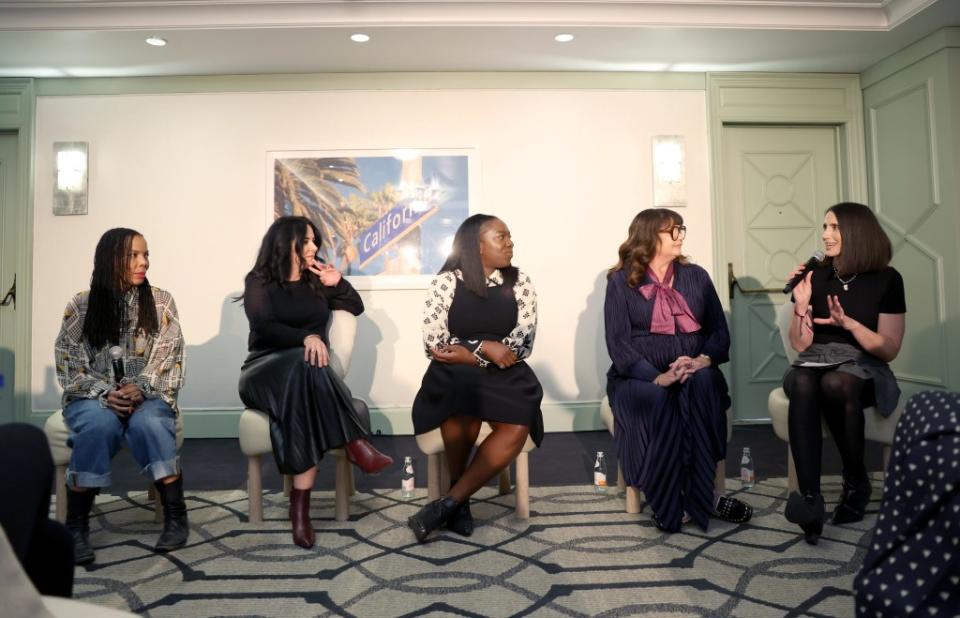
(677, 232)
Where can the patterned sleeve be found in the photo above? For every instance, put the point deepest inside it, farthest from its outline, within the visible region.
(163, 374)
(76, 376)
(520, 339)
(436, 310)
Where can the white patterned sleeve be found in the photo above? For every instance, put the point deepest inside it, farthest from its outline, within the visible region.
(520, 339)
(436, 310)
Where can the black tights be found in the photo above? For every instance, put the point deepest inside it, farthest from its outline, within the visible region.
(840, 398)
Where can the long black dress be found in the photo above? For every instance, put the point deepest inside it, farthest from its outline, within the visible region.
(511, 395)
(311, 410)
(669, 440)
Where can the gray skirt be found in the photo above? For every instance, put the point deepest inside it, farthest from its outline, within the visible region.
(846, 358)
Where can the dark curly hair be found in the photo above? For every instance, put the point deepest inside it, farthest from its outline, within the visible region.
(108, 284)
(274, 260)
(641, 244)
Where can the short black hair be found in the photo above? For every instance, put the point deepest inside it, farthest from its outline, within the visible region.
(865, 247)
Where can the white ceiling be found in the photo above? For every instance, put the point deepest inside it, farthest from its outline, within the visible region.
(81, 38)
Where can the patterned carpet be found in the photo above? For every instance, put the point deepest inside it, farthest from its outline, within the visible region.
(578, 555)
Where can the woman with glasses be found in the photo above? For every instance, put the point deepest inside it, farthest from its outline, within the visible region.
(666, 334)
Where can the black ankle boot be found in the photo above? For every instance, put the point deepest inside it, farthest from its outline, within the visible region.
(854, 498)
(461, 520)
(806, 511)
(175, 526)
(78, 523)
(431, 517)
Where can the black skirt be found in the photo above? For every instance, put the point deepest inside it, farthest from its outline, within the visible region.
(311, 410)
(489, 393)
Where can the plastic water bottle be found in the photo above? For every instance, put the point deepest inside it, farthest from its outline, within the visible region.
(600, 474)
(407, 484)
(747, 475)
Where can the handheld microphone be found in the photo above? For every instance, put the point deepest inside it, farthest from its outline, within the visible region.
(812, 263)
(116, 358)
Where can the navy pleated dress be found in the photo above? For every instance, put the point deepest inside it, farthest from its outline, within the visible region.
(669, 440)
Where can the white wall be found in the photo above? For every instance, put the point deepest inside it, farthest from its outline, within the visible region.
(566, 170)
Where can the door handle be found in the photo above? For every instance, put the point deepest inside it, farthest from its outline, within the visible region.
(733, 283)
(11, 296)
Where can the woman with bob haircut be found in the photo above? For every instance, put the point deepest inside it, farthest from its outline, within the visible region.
(666, 335)
(121, 313)
(288, 297)
(479, 324)
(849, 320)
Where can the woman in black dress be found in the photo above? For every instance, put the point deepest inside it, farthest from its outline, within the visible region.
(849, 318)
(288, 297)
(479, 324)
(666, 335)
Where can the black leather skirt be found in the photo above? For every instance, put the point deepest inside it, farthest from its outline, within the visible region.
(311, 410)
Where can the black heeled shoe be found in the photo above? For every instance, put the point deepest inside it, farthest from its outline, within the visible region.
(431, 517)
(854, 498)
(461, 520)
(806, 511)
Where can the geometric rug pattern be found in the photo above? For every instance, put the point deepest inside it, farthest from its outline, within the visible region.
(579, 554)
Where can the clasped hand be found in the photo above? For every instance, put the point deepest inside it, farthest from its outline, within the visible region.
(681, 369)
(494, 351)
(124, 399)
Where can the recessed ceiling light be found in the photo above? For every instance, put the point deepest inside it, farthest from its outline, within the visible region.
(563, 38)
(359, 37)
(156, 41)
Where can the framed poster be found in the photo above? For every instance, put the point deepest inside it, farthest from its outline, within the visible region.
(386, 217)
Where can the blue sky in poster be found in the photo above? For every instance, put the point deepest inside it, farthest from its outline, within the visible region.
(450, 171)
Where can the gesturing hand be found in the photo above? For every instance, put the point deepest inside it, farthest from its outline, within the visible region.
(837, 315)
(329, 276)
(498, 354)
(453, 354)
(315, 351)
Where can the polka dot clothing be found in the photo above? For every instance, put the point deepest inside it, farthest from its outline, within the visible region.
(912, 566)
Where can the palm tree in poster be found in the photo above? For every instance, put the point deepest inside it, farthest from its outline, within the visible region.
(307, 188)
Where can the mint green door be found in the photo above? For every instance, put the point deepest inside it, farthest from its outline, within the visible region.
(8, 245)
(778, 181)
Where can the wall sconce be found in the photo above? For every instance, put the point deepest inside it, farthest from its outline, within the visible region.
(669, 171)
(70, 182)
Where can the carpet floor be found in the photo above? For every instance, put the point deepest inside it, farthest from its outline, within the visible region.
(579, 554)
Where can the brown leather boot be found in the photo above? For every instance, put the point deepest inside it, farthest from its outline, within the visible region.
(303, 534)
(362, 454)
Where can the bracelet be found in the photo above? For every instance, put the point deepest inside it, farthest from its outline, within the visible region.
(800, 315)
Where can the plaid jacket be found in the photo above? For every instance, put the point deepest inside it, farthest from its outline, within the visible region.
(153, 362)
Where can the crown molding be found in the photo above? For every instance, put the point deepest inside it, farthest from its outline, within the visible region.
(879, 15)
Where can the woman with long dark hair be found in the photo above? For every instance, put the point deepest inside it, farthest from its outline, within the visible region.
(121, 311)
(666, 335)
(479, 325)
(848, 324)
(288, 297)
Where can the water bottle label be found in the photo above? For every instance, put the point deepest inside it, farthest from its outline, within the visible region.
(599, 479)
(746, 475)
(407, 484)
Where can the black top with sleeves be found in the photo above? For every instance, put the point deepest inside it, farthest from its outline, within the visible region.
(867, 296)
(282, 315)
